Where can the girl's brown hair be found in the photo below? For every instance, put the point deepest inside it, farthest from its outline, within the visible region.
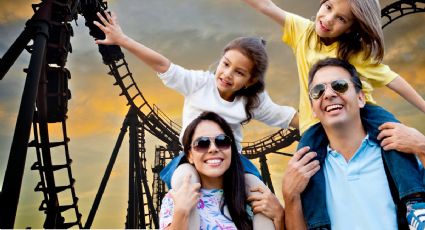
(366, 32)
(254, 49)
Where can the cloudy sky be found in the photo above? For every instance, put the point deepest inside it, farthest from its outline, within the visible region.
(191, 33)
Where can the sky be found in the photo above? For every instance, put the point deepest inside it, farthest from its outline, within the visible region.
(191, 33)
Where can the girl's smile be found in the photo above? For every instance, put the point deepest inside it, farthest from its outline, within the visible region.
(333, 19)
(233, 73)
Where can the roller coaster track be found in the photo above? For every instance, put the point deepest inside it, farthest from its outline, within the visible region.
(157, 123)
(399, 9)
(161, 126)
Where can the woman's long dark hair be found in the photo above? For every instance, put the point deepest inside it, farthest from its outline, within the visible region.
(254, 49)
(234, 180)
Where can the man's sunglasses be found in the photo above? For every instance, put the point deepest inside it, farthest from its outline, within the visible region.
(202, 144)
(338, 86)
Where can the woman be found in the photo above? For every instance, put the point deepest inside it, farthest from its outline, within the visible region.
(210, 147)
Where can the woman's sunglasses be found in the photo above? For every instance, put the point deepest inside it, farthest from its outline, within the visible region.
(338, 86)
(202, 144)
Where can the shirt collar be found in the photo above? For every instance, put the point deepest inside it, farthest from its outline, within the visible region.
(366, 141)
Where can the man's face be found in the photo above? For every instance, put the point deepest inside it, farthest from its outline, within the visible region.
(336, 107)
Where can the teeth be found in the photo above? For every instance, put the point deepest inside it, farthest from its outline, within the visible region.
(333, 107)
(214, 161)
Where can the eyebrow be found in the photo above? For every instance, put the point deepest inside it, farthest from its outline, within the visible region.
(238, 68)
(346, 17)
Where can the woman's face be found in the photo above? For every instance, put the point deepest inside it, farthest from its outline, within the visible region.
(213, 159)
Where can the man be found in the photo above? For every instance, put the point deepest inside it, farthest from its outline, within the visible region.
(358, 186)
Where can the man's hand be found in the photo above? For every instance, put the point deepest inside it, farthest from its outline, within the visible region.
(294, 182)
(396, 136)
(298, 173)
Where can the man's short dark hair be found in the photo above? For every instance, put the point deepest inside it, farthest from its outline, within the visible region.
(338, 63)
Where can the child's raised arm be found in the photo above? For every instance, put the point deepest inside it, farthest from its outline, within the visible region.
(268, 8)
(404, 89)
(115, 36)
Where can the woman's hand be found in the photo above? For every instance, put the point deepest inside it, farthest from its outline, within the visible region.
(111, 29)
(265, 202)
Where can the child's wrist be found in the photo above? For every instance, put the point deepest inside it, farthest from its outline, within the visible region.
(182, 213)
(123, 40)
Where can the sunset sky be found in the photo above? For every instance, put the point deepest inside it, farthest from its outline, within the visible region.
(192, 33)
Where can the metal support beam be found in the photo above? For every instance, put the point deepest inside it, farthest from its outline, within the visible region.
(265, 173)
(18, 152)
(14, 51)
(132, 212)
(107, 174)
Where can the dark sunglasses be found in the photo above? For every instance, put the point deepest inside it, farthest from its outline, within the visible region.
(202, 144)
(338, 86)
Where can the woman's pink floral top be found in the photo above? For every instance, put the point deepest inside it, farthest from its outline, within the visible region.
(208, 208)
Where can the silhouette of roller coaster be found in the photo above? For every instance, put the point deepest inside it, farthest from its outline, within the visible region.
(45, 102)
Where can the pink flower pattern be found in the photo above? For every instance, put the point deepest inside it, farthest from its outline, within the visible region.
(208, 208)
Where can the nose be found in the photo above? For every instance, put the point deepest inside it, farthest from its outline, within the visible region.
(227, 72)
(329, 93)
(328, 20)
(213, 148)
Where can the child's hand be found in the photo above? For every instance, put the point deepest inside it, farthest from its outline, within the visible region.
(186, 197)
(111, 29)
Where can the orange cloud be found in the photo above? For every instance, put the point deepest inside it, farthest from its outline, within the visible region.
(15, 10)
(2, 113)
(11, 11)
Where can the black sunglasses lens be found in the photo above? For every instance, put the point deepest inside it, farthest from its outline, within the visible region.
(339, 86)
(317, 91)
(222, 141)
(202, 144)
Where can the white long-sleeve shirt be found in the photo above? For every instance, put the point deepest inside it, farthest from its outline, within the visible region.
(201, 94)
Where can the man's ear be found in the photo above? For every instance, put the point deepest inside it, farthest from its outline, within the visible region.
(311, 106)
(361, 99)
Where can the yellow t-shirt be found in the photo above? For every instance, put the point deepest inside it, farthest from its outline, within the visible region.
(295, 34)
